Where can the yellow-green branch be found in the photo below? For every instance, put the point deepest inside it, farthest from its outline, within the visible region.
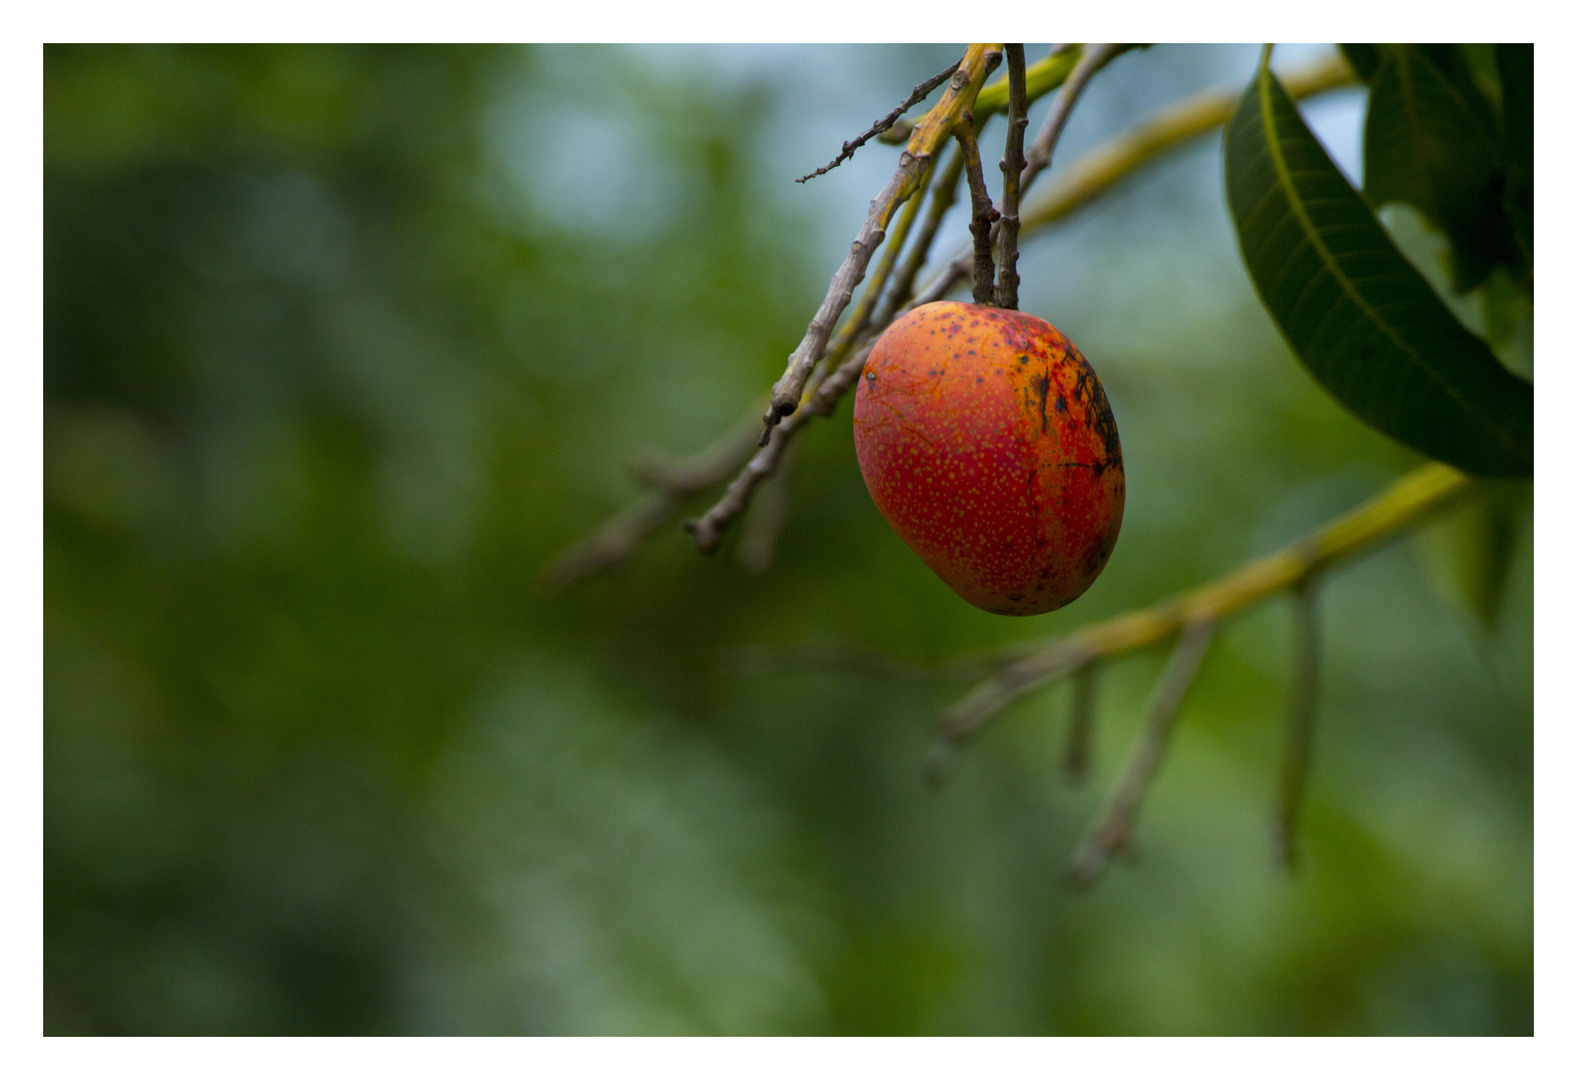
(1390, 513)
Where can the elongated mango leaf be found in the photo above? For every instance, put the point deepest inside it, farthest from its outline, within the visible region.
(1356, 313)
(1515, 64)
(1432, 139)
(1363, 59)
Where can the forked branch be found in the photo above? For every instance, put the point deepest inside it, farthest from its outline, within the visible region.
(1194, 616)
(1112, 830)
(978, 62)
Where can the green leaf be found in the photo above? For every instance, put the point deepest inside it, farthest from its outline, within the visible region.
(1356, 313)
(1515, 63)
(1433, 140)
(1364, 59)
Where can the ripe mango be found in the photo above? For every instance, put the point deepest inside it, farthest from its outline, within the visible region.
(988, 444)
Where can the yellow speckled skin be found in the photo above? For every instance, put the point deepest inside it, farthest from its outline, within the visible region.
(988, 444)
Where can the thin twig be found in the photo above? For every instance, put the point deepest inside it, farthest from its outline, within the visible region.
(982, 214)
(1097, 171)
(766, 518)
(1091, 60)
(671, 484)
(1038, 157)
(1302, 694)
(1081, 722)
(920, 93)
(944, 192)
(977, 63)
(707, 530)
(860, 318)
(1012, 168)
(1112, 829)
(1386, 516)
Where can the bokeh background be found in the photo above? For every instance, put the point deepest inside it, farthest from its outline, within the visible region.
(343, 344)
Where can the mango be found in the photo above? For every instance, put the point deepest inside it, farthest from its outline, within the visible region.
(987, 443)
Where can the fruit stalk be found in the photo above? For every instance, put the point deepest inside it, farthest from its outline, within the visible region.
(1012, 169)
(982, 212)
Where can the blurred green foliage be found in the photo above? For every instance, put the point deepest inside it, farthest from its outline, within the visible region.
(342, 344)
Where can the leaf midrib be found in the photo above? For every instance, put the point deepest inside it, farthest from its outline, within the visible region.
(1294, 202)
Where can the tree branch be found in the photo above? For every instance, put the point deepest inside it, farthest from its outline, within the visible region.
(1112, 829)
(1040, 78)
(944, 192)
(1101, 169)
(707, 530)
(1398, 508)
(859, 319)
(920, 93)
(1091, 60)
(977, 63)
(671, 484)
(766, 518)
(982, 213)
(1012, 169)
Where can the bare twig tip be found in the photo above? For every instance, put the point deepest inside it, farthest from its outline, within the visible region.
(919, 94)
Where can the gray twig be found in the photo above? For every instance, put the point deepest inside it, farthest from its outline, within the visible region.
(1036, 158)
(1012, 169)
(802, 361)
(920, 93)
(767, 515)
(671, 483)
(1112, 830)
(707, 530)
(944, 192)
(982, 215)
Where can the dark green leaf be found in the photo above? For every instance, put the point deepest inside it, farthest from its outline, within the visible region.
(1515, 63)
(1355, 312)
(1433, 140)
(1364, 59)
